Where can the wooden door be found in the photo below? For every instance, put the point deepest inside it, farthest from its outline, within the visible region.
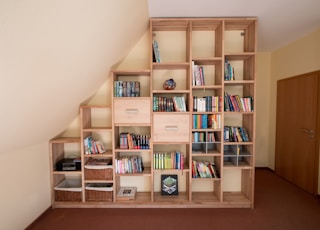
(297, 146)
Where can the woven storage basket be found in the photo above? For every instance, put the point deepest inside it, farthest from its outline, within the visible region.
(99, 172)
(68, 191)
(99, 192)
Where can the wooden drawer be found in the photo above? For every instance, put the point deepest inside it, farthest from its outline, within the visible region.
(171, 128)
(128, 111)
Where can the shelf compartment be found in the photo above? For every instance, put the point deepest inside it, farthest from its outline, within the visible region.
(238, 155)
(243, 66)
(181, 192)
(180, 76)
(206, 190)
(171, 50)
(142, 76)
(68, 190)
(99, 192)
(142, 183)
(238, 186)
(207, 72)
(95, 117)
(240, 35)
(207, 37)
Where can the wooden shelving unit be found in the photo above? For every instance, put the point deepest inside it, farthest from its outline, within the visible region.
(184, 45)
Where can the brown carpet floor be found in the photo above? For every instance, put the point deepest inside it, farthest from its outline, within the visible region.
(279, 205)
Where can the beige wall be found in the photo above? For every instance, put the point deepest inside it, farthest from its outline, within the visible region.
(25, 185)
(263, 108)
(301, 56)
(54, 55)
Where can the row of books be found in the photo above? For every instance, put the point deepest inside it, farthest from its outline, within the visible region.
(197, 75)
(235, 103)
(235, 134)
(168, 160)
(169, 104)
(134, 141)
(92, 146)
(206, 121)
(204, 169)
(129, 164)
(126, 89)
(203, 137)
(228, 72)
(207, 104)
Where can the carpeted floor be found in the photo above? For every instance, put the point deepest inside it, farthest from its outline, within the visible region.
(279, 205)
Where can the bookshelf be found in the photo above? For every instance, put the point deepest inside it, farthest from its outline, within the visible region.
(147, 137)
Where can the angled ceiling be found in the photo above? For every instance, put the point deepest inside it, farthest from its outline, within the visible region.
(280, 21)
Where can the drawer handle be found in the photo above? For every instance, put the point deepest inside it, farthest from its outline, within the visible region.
(132, 110)
(171, 127)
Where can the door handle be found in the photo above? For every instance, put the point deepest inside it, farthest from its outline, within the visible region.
(309, 131)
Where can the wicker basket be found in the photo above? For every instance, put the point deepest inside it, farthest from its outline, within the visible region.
(98, 172)
(68, 191)
(99, 192)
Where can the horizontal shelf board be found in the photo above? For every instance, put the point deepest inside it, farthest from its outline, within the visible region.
(207, 130)
(185, 169)
(170, 65)
(141, 197)
(107, 154)
(173, 199)
(67, 172)
(207, 61)
(209, 154)
(204, 87)
(234, 112)
(205, 179)
(238, 82)
(238, 143)
(146, 203)
(132, 73)
(132, 98)
(98, 181)
(239, 56)
(230, 165)
(204, 197)
(65, 140)
(232, 154)
(237, 197)
(95, 106)
(118, 150)
(212, 112)
(204, 142)
(171, 91)
(131, 124)
(146, 172)
(172, 113)
(92, 129)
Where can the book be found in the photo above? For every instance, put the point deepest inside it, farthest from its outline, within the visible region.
(156, 51)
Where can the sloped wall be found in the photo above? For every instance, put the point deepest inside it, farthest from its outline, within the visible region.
(53, 56)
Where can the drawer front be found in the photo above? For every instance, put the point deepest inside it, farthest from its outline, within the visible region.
(132, 111)
(171, 128)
